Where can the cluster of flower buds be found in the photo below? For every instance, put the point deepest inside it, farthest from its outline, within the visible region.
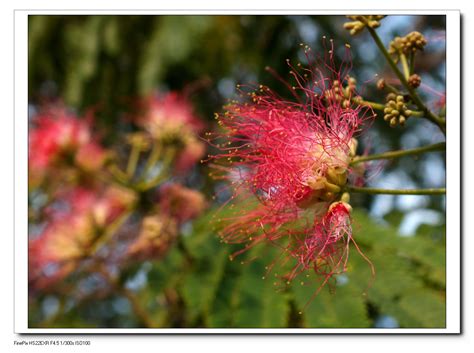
(396, 111)
(342, 92)
(410, 43)
(359, 22)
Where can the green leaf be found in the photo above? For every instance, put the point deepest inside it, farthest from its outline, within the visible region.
(422, 309)
(223, 307)
(343, 307)
(258, 302)
(199, 286)
(410, 271)
(163, 271)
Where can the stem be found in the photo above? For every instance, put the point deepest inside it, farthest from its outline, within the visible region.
(376, 191)
(376, 106)
(153, 158)
(404, 62)
(166, 163)
(110, 231)
(411, 59)
(392, 89)
(401, 153)
(428, 114)
(133, 160)
(118, 174)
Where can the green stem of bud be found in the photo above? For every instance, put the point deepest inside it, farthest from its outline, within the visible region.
(169, 154)
(392, 88)
(118, 174)
(152, 158)
(401, 153)
(133, 160)
(376, 191)
(406, 69)
(411, 60)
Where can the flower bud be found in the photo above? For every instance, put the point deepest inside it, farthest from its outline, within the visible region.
(346, 197)
(381, 84)
(414, 80)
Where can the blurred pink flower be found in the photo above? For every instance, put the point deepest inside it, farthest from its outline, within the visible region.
(170, 118)
(157, 233)
(73, 226)
(56, 136)
(180, 202)
(168, 113)
(189, 156)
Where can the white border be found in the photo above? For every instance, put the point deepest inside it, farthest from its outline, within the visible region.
(453, 176)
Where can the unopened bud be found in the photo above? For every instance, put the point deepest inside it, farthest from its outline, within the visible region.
(346, 197)
(381, 84)
(414, 80)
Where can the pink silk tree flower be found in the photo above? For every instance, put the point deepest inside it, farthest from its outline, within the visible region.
(55, 137)
(157, 234)
(168, 113)
(73, 226)
(170, 119)
(294, 158)
(180, 202)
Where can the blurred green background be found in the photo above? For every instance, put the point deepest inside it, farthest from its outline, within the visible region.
(105, 61)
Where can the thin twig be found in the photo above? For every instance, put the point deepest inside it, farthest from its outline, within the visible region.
(401, 153)
(376, 191)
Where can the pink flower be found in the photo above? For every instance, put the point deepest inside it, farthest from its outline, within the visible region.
(326, 248)
(294, 157)
(55, 137)
(189, 156)
(73, 226)
(168, 114)
(180, 202)
(90, 157)
(170, 119)
(157, 233)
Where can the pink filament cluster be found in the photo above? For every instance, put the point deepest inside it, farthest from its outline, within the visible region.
(282, 152)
